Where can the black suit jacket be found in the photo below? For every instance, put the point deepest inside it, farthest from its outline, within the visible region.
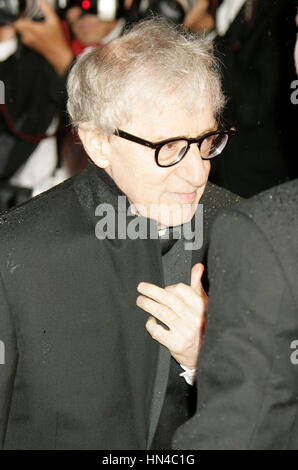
(248, 373)
(80, 368)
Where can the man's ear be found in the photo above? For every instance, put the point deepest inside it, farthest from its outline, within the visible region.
(94, 143)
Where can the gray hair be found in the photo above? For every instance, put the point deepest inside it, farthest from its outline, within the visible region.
(154, 60)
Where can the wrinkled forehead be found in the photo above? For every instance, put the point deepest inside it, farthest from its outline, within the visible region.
(161, 97)
(168, 117)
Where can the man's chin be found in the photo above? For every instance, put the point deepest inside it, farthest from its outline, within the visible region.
(176, 216)
(166, 215)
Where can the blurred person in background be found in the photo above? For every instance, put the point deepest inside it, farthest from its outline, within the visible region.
(87, 29)
(33, 68)
(82, 31)
(254, 41)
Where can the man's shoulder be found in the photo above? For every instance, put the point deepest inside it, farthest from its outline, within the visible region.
(273, 208)
(270, 217)
(47, 209)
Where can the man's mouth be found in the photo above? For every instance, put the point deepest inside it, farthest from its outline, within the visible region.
(185, 197)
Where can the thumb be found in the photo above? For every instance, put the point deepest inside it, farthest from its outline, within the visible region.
(196, 277)
(47, 10)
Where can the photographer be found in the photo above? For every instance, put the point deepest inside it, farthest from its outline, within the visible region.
(33, 68)
(85, 29)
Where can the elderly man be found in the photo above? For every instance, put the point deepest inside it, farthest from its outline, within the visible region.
(82, 263)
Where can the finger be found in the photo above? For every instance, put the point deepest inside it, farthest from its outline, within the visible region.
(159, 333)
(50, 15)
(28, 39)
(23, 25)
(196, 277)
(194, 302)
(21, 21)
(162, 296)
(48, 11)
(159, 311)
(30, 26)
(184, 351)
(196, 281)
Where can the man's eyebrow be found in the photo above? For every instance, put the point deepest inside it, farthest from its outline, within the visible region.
(210, 129)
(207, 131)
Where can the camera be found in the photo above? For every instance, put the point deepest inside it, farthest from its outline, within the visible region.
(109, 10)
(11, 10)
(106, 10)
(173, 10)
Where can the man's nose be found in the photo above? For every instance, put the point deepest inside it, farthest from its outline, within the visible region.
(193, 168)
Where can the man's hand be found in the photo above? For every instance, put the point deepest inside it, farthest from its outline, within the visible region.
(182, 308)
(46, 38)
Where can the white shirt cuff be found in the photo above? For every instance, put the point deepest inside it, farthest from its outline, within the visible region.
(189, 375)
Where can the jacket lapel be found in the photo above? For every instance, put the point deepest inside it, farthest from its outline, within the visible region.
(176, 269)
(136, 260)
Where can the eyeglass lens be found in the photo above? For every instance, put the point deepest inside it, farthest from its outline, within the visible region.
(175, 151)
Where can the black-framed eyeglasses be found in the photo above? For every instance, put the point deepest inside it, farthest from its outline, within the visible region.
(171, 151)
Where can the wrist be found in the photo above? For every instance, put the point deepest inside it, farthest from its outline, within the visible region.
(188, 368)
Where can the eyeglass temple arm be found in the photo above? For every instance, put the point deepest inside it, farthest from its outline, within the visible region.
(133, 138)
